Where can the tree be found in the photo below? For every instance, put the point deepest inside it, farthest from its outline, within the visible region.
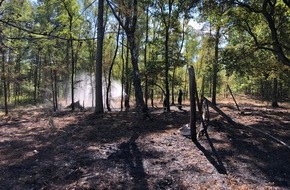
(100, 37)
(276, 16)
(111, 68)
(127, 17)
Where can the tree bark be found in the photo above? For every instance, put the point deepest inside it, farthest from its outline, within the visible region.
(110, 71)
(192, 104)
(167, 95)
(140, 106)
(4, 83)
(215, 66)
(100, 37)
(278, 50)
(127, 82)
(275, 93)
(145, 58)
(123, 73)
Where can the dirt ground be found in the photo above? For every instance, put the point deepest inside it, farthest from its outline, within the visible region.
(40, 149)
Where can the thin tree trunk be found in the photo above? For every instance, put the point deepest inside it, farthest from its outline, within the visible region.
(275, 93)
(123, 72)
(72, 73)
(152, 98)
(173, 86)
(215, 66)
(39, 76)
(36, 77)
(145, 58)
(127, 93)
(55, 88)
(52, 84)
(4, 83)
(167, 95)
(110, 70)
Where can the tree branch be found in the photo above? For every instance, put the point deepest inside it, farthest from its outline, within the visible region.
(48, 35)
(116, 16)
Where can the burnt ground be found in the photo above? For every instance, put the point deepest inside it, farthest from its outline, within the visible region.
(79, 150)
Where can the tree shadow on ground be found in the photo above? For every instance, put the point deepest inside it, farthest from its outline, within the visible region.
(259, 157)
(57, 158)
(212, 156)
(131, 155)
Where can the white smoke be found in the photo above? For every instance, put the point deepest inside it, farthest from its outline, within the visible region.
(84, 91)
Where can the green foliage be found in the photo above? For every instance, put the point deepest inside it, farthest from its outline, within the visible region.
(36, 38)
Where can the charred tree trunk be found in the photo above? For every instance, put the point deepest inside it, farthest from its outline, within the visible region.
(192, 94)
(99, 62)
(167, 95)
(275, 93)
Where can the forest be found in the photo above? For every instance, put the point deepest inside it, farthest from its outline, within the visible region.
(95, 94)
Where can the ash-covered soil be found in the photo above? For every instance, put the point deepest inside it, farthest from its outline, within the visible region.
(79, 150)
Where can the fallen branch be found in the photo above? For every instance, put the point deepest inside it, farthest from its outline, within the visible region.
(232, 122)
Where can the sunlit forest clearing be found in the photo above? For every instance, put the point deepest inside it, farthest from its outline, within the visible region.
(136, 94)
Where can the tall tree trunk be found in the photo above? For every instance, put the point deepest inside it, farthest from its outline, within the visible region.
(72, 75)
(100, 37)
(173, 86)
(167, 24)
(4, 83)
(52, 83)
(167, 95)
(36, 77)
(152, 98)
(145, 58)
(127, 82)
(55, 89)
(140, 105)
(123, 73)
(110, 70)
(275, 93)
(215, 66)
(130, 26)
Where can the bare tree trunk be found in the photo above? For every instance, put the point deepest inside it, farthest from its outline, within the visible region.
(145, 58)
(192, 104)
(100, 37)
(110, 71)
(4, 83)
(130, 26)
(173, 86)
(36, 65)
(52, 84)
(123, 72)
(136, 75)
(167, 95)
(127, 92)
(215, 66)
(275, 93)
(72, 73)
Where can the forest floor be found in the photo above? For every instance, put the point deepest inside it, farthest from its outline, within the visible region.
(40, 149)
